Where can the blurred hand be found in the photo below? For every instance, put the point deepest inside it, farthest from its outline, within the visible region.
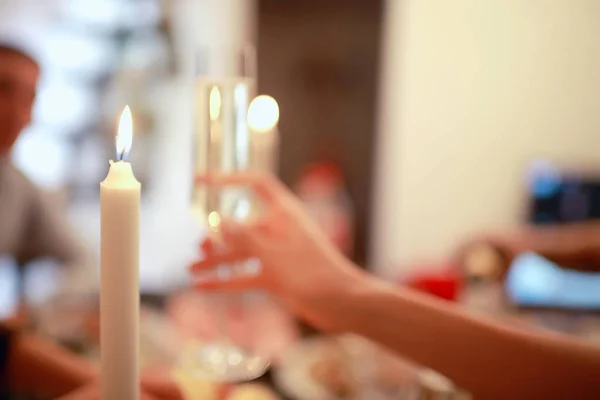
(155, 386)
(92, 392)
(299, 264)
(161, 384)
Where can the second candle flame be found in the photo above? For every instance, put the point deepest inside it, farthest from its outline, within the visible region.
(124, 134)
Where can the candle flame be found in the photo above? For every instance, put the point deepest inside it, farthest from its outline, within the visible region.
(214, 106)
(124, 134)
(263, 113)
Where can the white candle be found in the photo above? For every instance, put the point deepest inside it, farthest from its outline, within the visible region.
(263, 117)
(119, 263)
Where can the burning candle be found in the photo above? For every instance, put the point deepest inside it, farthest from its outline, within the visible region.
(119, 263)
(263, 116)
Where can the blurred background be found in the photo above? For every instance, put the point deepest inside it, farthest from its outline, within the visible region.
(447, 129)
(435, 114)
(318, 60)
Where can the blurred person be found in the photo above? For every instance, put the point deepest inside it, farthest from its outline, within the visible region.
(34, 366)
(573, 246)
(30, 227)
(29, 365)
(313, 279)
(92, 392)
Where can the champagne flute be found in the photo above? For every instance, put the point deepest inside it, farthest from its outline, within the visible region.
(232, 349)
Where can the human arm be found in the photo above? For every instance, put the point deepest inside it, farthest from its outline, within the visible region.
(92, 392)
(491, 360)
(34, 364)
(153, 387)
(573, 246)
(51, 371)
(310, 277)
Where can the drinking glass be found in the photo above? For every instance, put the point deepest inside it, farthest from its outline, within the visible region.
(231, 346)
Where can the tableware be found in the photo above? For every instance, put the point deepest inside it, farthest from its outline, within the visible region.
(229, 348)
(343, 367)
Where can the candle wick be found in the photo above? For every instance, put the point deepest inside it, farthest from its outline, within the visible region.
(121, 155)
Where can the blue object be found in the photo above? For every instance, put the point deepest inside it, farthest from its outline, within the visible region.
(537, 282)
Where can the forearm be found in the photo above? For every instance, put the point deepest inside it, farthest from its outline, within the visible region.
(563, 244)
(52, 371)
(488, 359)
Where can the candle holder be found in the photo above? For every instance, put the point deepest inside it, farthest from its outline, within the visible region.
(231, 348)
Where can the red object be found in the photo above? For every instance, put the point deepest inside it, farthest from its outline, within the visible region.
(443, 284)
(322, 190)
(320, 177)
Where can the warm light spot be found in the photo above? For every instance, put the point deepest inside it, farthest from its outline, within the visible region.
(214, 103)
(124, 134)
(263, 113)
(214, 220)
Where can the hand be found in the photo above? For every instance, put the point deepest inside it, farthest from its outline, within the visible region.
(155, 386)
(92, 392)
(299, 264)
(159, 383)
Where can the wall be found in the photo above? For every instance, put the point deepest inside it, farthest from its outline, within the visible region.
(472, 91)
(320, 62)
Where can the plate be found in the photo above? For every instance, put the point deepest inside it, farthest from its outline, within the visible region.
(344, 367)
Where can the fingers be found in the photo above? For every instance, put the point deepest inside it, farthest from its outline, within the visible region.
(239, 243)
(236, 275)
(146, 396)
(161, 385)
(92, 392)
(207, 246)
(216, 260)
(235, 284)
(264, 185)
(232, 234)
(243, 238)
